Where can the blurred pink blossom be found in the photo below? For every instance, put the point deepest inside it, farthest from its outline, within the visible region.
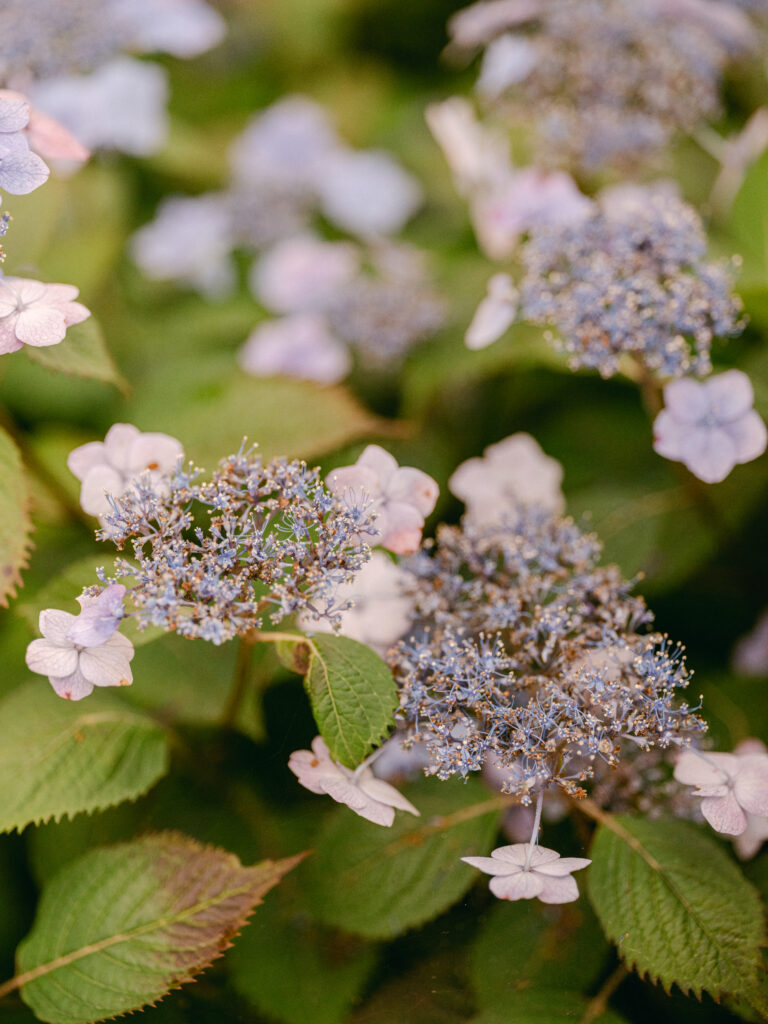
(303, 274)
(300, 345)
(495, 314)
(510, 472)
(710, 426)
(366, 192)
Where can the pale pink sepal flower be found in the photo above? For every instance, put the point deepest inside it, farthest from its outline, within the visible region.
(401, 497)
(37, 314)
(710, 426)
(523, 873)
(108, 466)
(100, 616)
(481, 22)
(303, 274)
(300, 345)
(75, 669)
(46, 136)
(366, 192)
(754, 835)
(750, 655)
(380, 609)
(731, 786)
(360, 790)
(508, 59)
(495, 314)
(121, 105)
(511, 472)
(525, 199)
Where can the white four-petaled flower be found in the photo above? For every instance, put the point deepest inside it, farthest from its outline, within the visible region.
(108, 466)
(732, 786)
(511, 472)
(37, 314)
(401, 497)
(360, 790)
(710, 426)
(522, 873)
(72, 652)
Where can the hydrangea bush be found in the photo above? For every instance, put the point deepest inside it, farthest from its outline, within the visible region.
(326, 564)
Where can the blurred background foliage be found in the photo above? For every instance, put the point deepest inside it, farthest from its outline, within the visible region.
(702, 557)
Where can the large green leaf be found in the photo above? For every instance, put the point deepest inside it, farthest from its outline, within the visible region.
(123, 925)
(59, 758)
(352, 692)
(379, 882)
(527, 945)
(676, 905)
(15, 524)
(82, 353)
(294, 971)
(214, 408)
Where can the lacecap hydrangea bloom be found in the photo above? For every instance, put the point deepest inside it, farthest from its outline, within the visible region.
(21, 170)
(602, 81)
(525, 871)
(630, 280)
(524, 651)
(216, 558)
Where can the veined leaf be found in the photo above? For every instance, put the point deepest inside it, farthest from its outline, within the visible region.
(15, 524)
(379, 882)
(677, 906)
(214, 409)
(82, 353)
(294, 971)
(352, 693)
(121, 926)
(526, 945)
(58, 758)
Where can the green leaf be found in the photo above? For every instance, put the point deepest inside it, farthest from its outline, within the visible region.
(676, 905)
(62, 758)
(546, 1006)
(749, 224)
(526, 945)
(83, 353)
(379, 882)
(213, 409)
(352, 693)
(123, 925)
(15, 524)
(292, 970)
(63, 590)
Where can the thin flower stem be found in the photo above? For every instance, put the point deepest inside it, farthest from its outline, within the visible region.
(599, 1004)
(242, 676)
(534, 840)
